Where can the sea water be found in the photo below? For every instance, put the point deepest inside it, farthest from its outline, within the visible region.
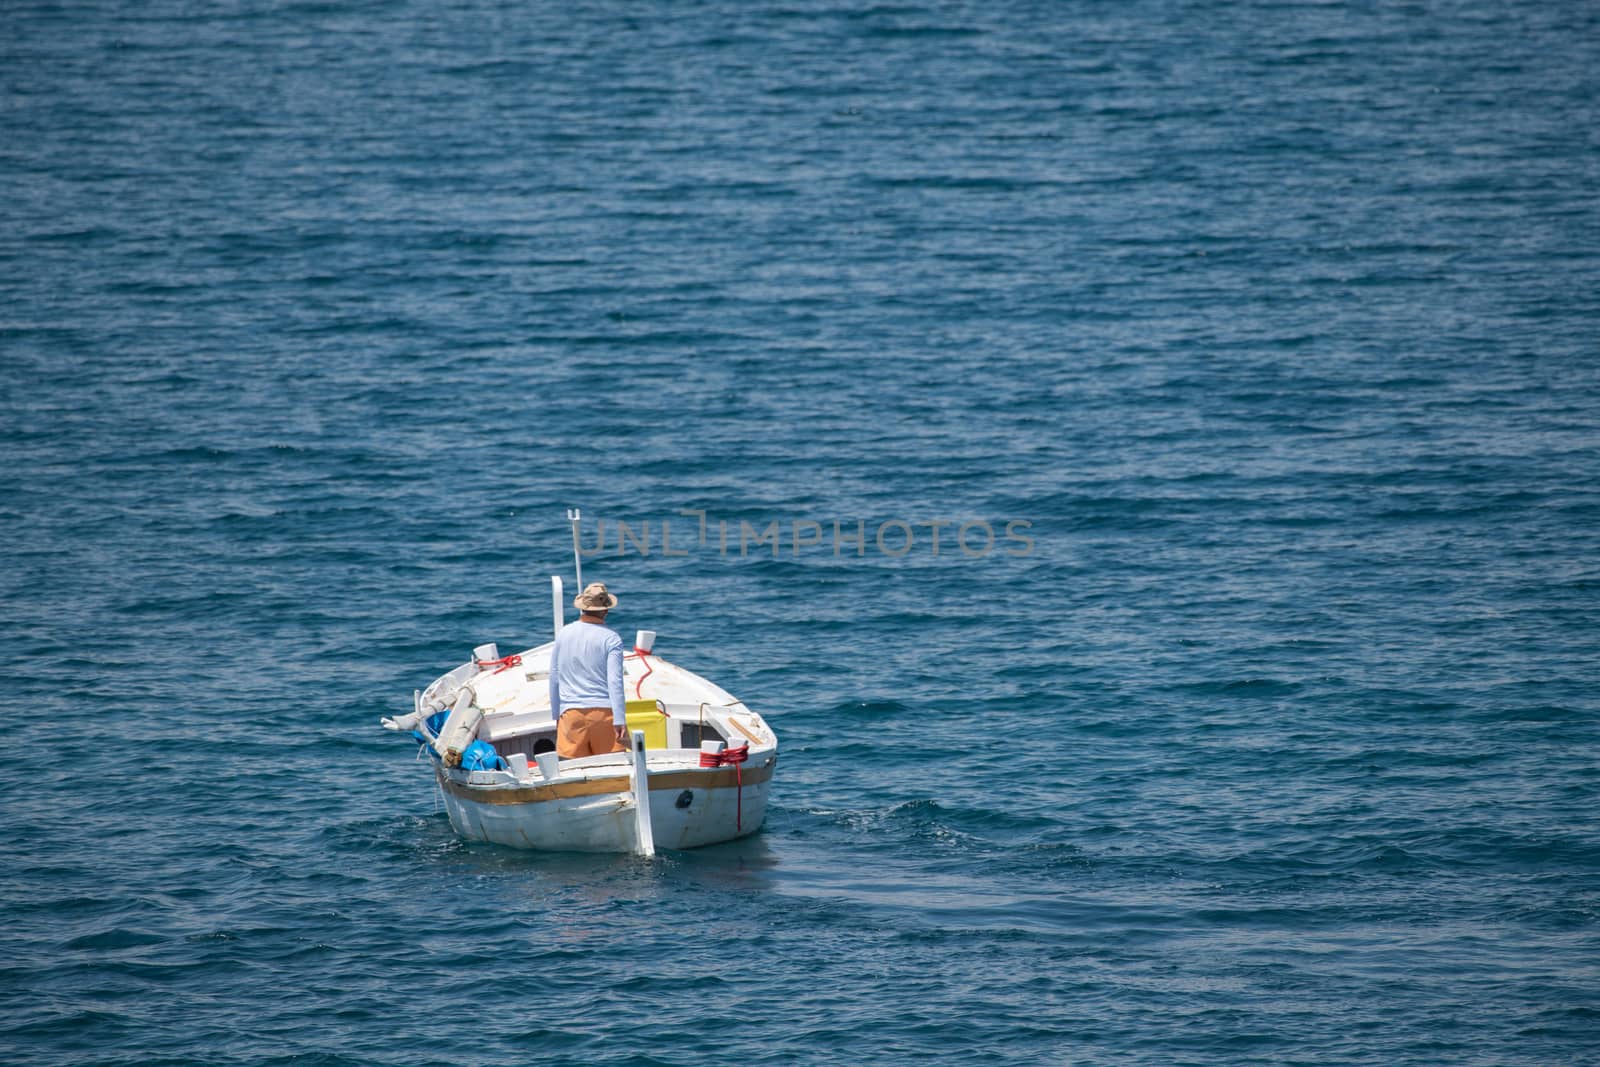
(1242, 357)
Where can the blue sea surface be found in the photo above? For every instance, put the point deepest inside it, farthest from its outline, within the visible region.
(1262, 339)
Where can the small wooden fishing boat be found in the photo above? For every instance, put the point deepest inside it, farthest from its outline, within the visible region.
(702, 759)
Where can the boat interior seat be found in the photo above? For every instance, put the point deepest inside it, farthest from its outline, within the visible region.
(676, 733)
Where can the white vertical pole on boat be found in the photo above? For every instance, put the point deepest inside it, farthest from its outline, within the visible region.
(644, 836)
(557, 602)
(575, 516)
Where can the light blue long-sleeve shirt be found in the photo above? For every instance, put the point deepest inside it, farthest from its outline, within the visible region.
(586, 670)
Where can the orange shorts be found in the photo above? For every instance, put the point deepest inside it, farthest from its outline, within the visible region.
(586, 732)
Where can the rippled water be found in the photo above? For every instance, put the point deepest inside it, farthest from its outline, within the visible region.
(1272, 327)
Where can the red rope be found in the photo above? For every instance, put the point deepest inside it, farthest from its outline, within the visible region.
(504, 663)
(731, 757)
(638, 687)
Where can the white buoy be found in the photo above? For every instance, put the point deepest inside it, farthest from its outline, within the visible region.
(645, 838)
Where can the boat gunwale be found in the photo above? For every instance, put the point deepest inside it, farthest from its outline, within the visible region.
(506, 793)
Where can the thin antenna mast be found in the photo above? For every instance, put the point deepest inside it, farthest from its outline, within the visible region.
(575, 516)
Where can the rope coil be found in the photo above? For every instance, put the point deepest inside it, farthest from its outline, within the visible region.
(731, 757)
(504, 663)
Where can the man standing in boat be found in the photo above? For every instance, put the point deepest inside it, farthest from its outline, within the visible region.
(586, 680)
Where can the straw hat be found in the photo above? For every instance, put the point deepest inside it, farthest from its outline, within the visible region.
(594, 598)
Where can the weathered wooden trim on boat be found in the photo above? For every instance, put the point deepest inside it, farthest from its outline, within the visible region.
(722, 778)
(737, 725)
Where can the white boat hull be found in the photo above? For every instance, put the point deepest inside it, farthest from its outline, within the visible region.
(498, 710)
(689, 807)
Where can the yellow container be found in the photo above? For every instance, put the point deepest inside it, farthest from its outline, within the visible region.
(644, 715)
